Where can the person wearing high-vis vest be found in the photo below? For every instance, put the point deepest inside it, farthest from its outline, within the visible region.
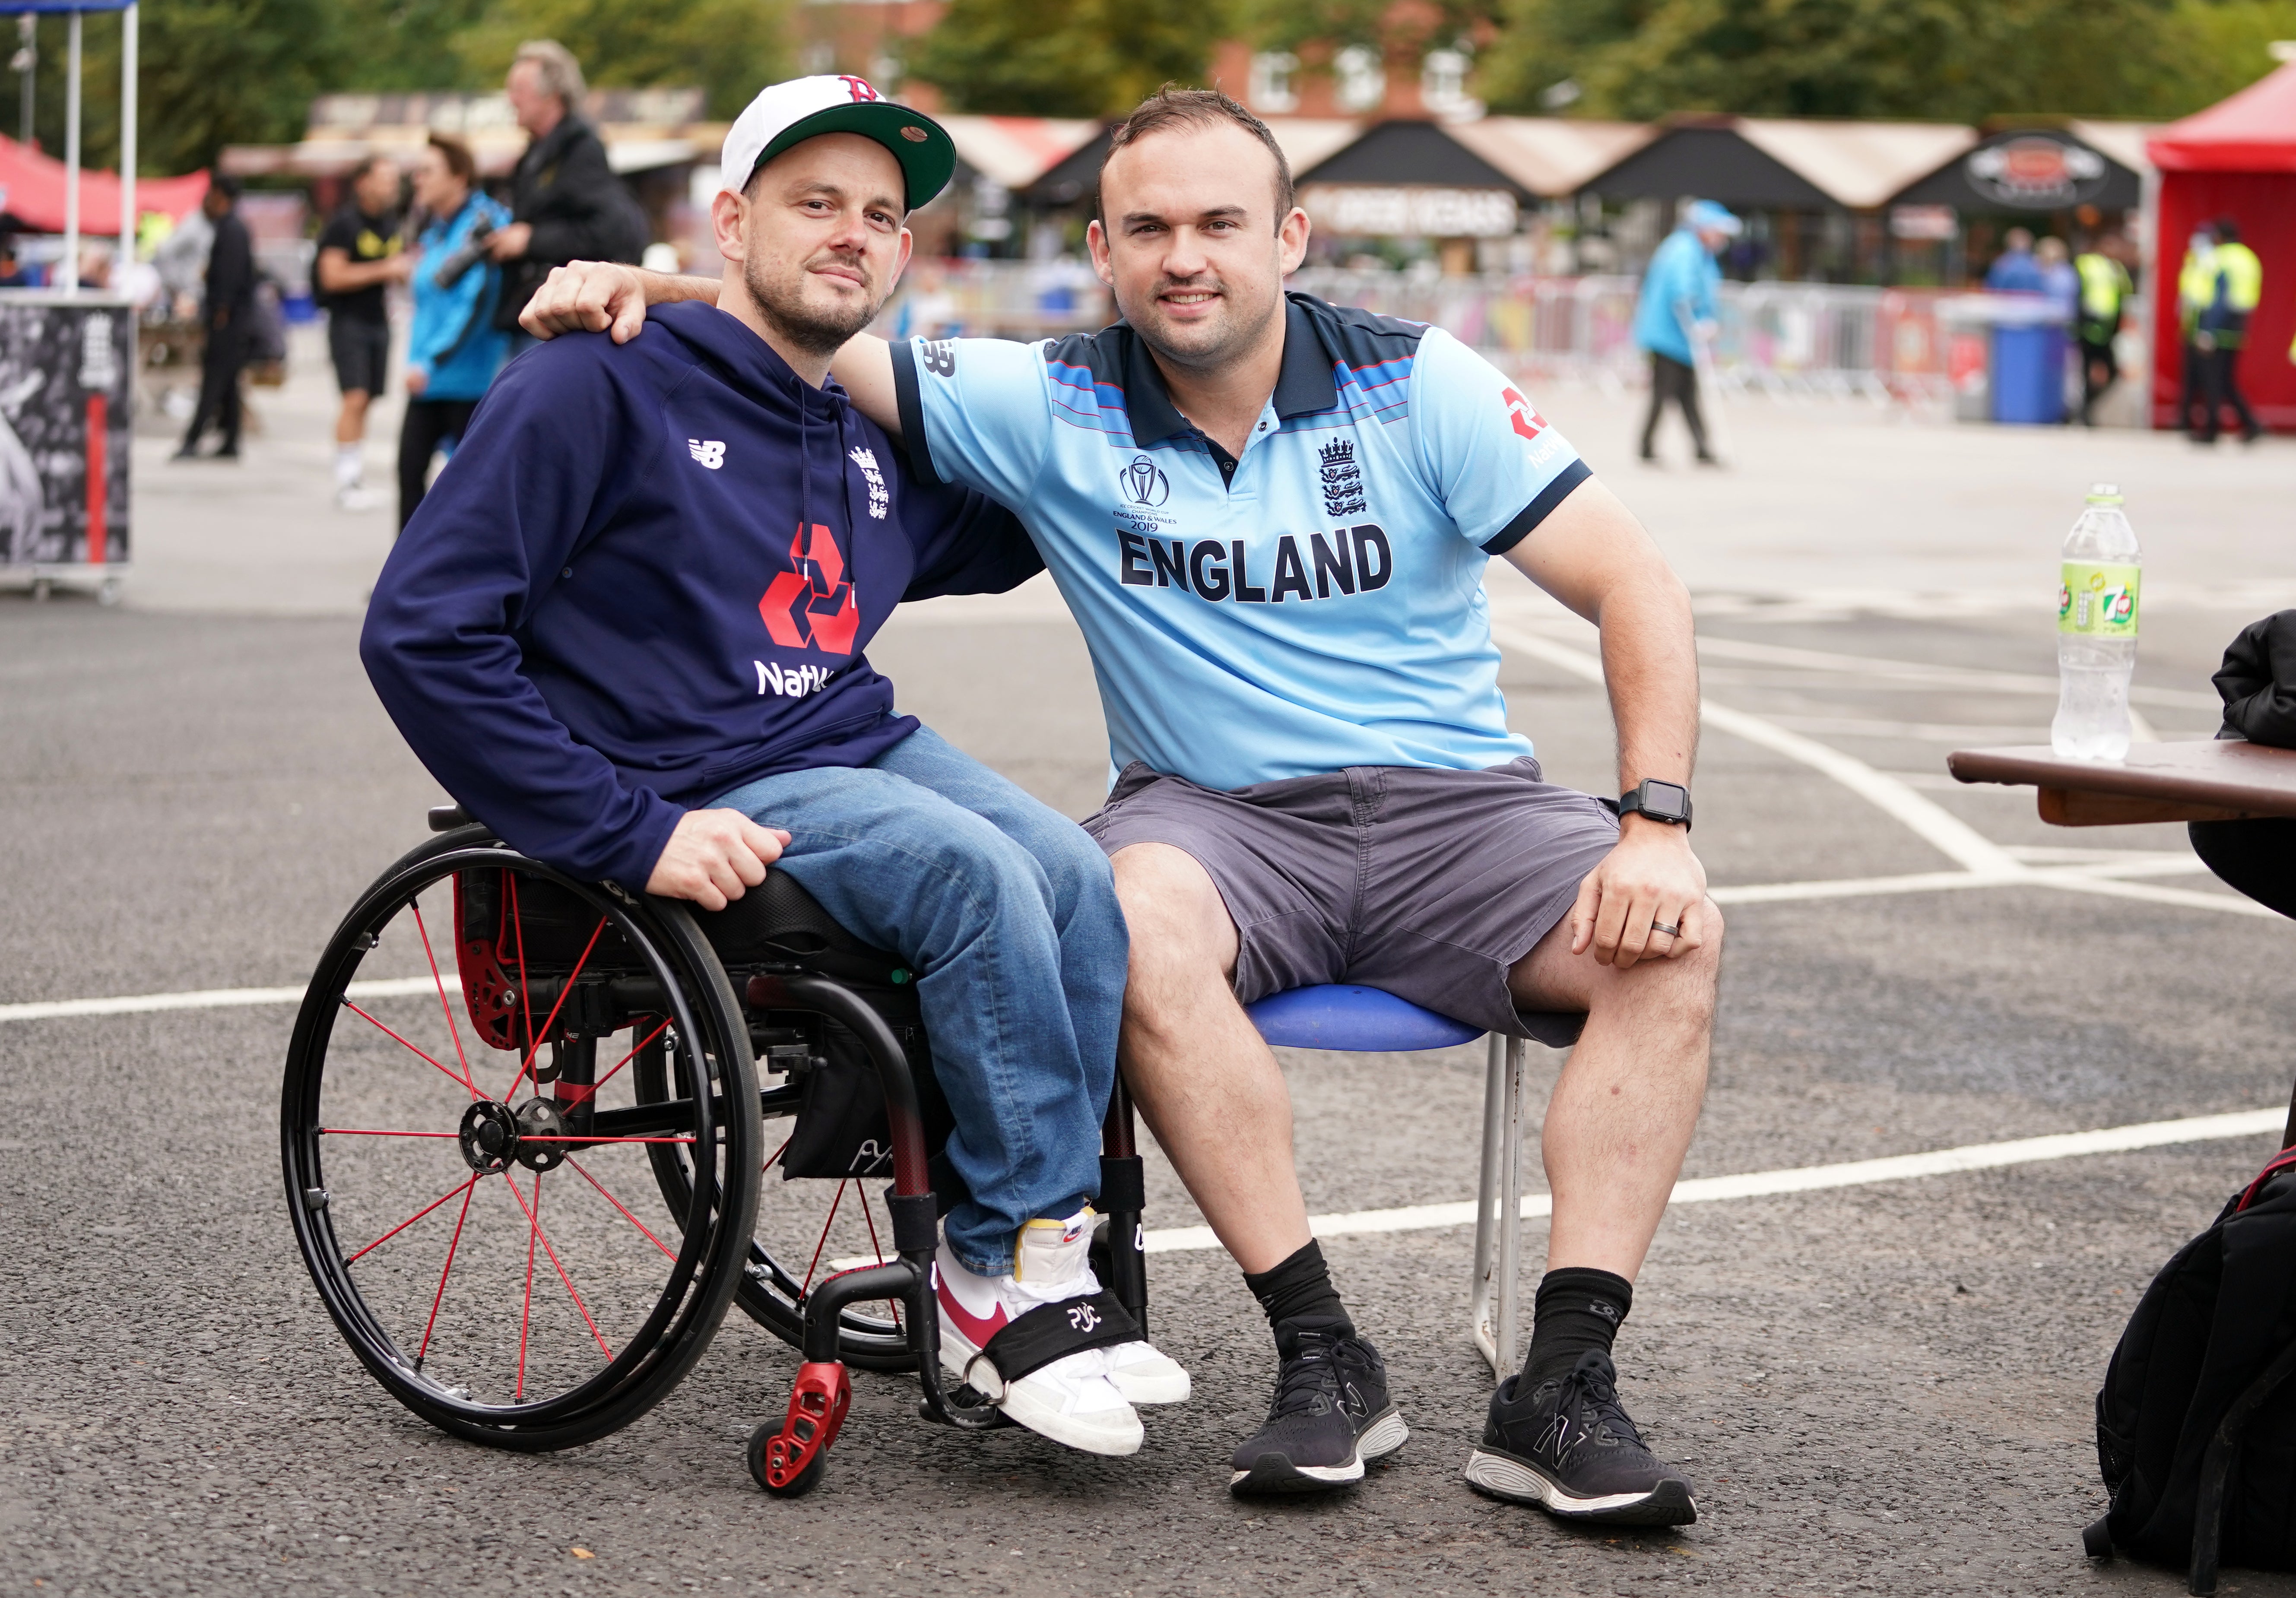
(2234, 284)
(2104, 289)
(2196, 286)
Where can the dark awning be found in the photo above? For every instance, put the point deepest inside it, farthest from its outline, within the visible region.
(1411, 154)
(1714, 161)
(2028, 169)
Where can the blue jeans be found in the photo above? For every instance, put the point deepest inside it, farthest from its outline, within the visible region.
(1009, 911)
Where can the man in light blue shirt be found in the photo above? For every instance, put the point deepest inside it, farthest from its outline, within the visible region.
(1270, 517)
(1677, 304)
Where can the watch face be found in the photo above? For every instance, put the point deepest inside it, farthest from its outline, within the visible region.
(1665, 801)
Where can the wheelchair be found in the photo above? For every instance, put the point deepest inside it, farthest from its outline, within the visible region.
(646, 1045)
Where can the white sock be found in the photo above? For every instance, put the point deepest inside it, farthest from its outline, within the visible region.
(351, 465)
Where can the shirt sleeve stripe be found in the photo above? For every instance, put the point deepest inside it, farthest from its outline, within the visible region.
(911, 405)
(1538, 509)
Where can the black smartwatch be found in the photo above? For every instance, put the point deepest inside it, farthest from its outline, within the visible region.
(1669, 802)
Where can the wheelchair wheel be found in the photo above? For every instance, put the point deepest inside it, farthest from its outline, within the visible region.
(805, 1230)
(467, 1145)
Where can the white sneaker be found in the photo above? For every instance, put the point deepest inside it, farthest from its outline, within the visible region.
(1072, 1400)
(355, 496)
(1144, 1376)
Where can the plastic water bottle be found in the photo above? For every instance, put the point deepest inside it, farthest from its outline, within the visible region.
(2097, 632)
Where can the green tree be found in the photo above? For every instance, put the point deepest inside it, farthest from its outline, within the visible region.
(729, 48)
(1949, 60)
(1044, 58)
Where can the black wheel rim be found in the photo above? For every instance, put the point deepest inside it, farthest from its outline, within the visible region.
(490, 1252)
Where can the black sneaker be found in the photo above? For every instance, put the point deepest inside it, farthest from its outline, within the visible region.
(1570, 1449)
(1331, 1413)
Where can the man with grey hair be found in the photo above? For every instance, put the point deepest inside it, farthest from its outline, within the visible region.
(567, 203)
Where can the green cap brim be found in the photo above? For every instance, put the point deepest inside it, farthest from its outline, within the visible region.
(927, 163)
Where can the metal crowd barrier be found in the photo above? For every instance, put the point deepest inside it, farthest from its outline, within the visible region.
(1788, 340)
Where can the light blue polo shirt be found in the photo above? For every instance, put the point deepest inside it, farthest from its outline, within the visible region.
(1316, 602)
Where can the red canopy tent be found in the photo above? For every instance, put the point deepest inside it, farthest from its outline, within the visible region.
(2236, 159)
(32, 191)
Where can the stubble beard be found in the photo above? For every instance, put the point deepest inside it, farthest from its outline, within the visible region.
(1204, 346)
(809, 328)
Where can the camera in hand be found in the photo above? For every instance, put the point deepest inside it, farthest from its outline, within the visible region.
(470, 251)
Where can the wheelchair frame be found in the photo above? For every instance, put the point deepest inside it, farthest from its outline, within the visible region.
(716, 1212)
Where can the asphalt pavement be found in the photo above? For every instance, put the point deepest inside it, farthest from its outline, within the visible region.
(1881, 1387)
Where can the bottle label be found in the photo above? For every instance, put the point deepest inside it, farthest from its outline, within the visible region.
(2097, 601)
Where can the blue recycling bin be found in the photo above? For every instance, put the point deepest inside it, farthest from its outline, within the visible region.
(2029, 373)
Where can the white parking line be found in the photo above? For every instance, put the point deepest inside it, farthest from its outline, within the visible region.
(211, 998)
(1801, 1179)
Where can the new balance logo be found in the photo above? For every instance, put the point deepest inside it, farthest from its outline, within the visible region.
(710, 452)
(941, 358)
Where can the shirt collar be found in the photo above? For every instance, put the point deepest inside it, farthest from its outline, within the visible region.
(1304, 385)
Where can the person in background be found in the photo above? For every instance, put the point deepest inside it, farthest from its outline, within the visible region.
(229, 299)
(360, 255)
(454, 349)
(2014, 271)
(2230, 287)
(566, 201)
(2104, 289)
(13, 274)
(2059, 281)
(1676, 305)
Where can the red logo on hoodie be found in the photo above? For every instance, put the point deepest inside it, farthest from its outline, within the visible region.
(812, 607)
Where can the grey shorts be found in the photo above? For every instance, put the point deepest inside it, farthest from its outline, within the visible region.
(361, 351)
(1430, 884)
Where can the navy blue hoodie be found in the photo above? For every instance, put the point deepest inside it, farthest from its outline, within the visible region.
(647, 576)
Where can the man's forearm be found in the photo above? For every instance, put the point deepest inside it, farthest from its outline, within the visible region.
(1650, 660)
(668, 287)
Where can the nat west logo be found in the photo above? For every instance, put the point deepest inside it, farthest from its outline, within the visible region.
(1143, 482)
(858, 87)
(1527, 421)
(795, 682)
(812, 607)
(1342, 480)
(1355, 559)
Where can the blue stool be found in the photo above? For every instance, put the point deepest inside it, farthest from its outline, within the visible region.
(1368, 1021)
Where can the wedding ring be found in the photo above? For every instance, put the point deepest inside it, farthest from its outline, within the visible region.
(1660, 926)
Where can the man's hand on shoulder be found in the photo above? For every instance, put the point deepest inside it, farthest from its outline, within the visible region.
(1650, 880)
(714, 857)
(592, 297)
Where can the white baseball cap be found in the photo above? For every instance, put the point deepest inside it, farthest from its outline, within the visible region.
(787, 113)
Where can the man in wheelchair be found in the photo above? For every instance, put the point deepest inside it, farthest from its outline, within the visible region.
(626, 631)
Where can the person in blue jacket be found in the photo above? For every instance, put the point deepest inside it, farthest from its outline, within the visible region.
(454, 349)
(1677, 297)
(627, 631)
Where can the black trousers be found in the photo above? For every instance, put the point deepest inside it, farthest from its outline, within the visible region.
(1673, 380)
(219, 368)
(2099, 371)
(430, 423)
(2220, 387)
(2259, 857)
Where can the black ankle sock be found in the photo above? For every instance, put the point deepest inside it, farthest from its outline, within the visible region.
(1298, 1294)
(1577, 1308)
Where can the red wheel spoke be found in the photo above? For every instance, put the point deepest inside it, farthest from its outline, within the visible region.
(778, 1153)
(533, 1047)
(587, 1141)
(526, 1309)
(535, 1215)
(452, 1243)
(824, 1243)
(371, 1132)
(626, 1058)
(411, 1219)
(880, 1249)
(461, 1082)
(453, 1030)
(618, 1204)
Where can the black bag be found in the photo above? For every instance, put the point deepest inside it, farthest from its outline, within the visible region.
(2196, 1422)
(2258, 682)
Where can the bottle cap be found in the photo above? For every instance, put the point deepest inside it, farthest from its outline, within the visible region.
(2104, 494)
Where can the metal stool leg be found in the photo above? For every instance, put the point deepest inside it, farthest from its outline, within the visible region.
(1498, 1207)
